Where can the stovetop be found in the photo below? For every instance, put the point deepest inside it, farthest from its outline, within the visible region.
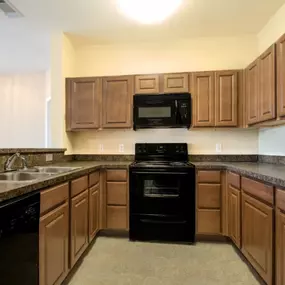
(161, 164)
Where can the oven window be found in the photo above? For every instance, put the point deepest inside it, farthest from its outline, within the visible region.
(163, 187)
(154, 112)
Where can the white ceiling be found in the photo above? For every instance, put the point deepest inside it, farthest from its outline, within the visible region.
(101, 20)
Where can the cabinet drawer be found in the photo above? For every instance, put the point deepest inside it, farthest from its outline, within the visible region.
(79, 185)
(116, 193)
(116, 175)
(209, 222)
(257, 189)
(280, 199)
(53, 197)
(206, 176)
(234, 179)
(209, 196)
(117, 217)
(94, 178)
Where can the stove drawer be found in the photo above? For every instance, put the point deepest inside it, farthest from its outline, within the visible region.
(161, 228)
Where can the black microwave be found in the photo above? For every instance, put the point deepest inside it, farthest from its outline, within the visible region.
(162, 111)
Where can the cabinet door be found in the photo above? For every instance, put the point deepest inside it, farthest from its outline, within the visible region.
(281, 76)
(267, 85)
(93, 211)
(79, 226)
(147, 84)
(203, 94)
(53, 256)
(252, 93)
(234, 214)
(257, 233)
(117, 101)
(226, 99)
(83, 103)
(175, 83)
(280, 248)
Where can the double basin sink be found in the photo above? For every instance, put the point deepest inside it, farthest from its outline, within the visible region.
(33, 174)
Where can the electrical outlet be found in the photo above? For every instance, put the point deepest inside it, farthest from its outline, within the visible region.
(121, 148)
(49, 157)
(218, 147)
(101, 148)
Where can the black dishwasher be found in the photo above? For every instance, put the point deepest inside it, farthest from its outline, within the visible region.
(19, 240)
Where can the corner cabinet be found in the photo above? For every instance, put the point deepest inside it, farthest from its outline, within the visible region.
(117, 101)
(83, 103)
(280, 50)
(226, 103)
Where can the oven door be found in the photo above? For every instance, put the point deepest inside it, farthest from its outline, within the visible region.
(161, 192)
(154, 111)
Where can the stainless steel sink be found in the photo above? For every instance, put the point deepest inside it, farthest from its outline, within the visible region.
(54, 169)
(22, 176)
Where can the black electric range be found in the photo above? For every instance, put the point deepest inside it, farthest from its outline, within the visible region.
(162, 193)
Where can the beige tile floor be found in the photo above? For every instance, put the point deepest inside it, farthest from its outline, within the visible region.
(116, 261)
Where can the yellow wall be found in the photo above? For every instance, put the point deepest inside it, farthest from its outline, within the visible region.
(271, 141)
(186, 55)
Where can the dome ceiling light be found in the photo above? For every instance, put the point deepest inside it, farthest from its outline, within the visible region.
(148, 11)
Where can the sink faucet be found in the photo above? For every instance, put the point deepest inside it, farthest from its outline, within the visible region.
(11, 160)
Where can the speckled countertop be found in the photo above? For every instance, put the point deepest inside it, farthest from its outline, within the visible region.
(268, 173)
(10, 190)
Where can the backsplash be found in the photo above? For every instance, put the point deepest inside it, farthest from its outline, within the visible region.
(33, 156)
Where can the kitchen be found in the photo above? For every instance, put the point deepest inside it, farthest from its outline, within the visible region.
(159, 157)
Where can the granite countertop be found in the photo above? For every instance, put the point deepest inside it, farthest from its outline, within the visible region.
(30, 150)
(268, 173)
(10, 190)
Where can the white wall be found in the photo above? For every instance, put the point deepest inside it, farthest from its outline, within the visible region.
(271, 141)
(22, 110)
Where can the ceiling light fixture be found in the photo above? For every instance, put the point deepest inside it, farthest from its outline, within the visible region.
(148, 11)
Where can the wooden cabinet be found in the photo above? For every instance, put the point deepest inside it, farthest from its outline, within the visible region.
(208, 203)
(94, 199)
(79, 226)
(252, 86)
(203, 94)
(257, 231)
(175, 83)
(117, 100)
(226, 103)
(83, 103)
(280, 247)
(267, 102)
(53, 244)
(147, 84)
(116, 199)
(234, 214)
(281, 76)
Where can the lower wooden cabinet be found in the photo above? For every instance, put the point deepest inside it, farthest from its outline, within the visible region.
(53, 258)
(280, 248)
(79, 226)
(209, 221)
(93, 211)
(117, 217)
(234, 221)
(257, 231)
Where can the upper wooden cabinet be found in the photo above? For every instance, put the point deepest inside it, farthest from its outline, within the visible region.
(147, 84)
(203, 94)
(281, 76)
(252, 93)
(226, 103)
(267, 92)
(117, 99)
(83, 103)
(175, 83)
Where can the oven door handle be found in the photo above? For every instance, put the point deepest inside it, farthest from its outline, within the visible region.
(161, 221)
